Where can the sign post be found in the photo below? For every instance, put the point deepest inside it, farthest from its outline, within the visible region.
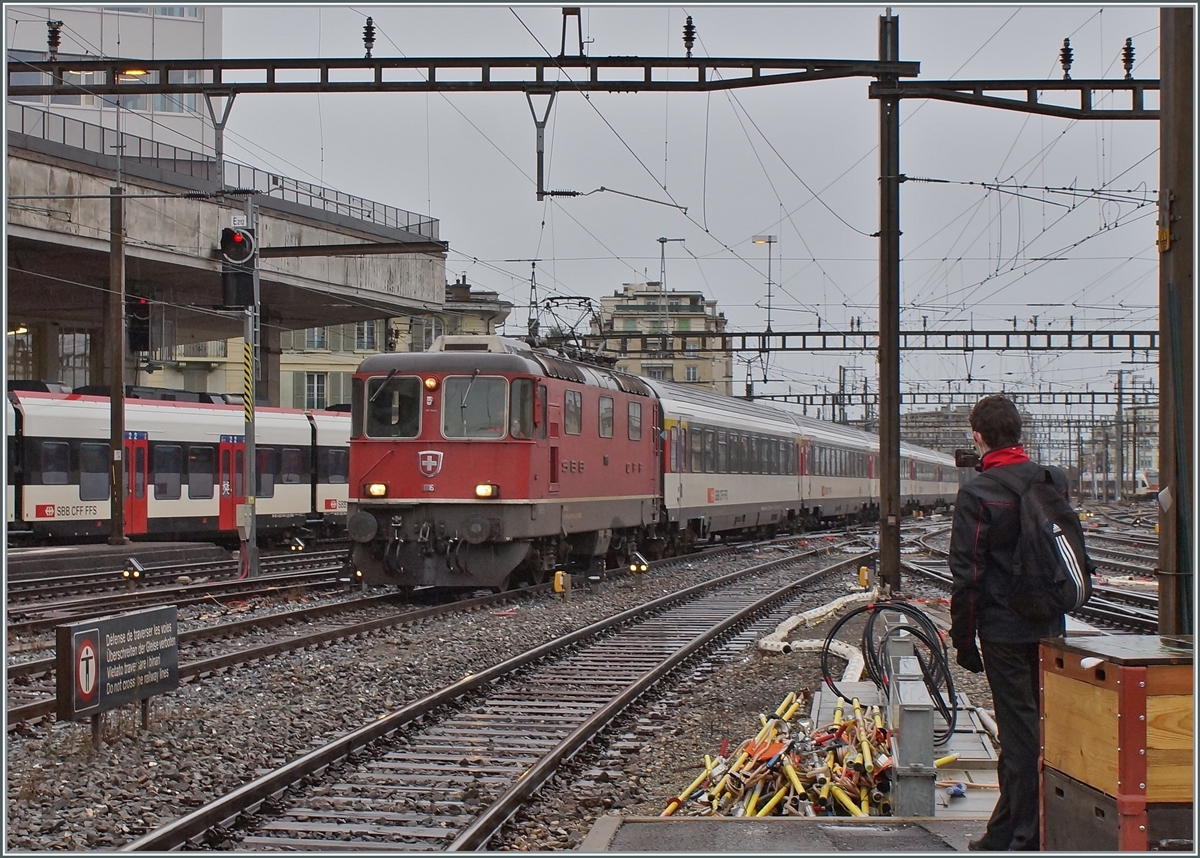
(107, 662)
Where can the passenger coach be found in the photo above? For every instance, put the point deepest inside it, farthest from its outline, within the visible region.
(184, 467)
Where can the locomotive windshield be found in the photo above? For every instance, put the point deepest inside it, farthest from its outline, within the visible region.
(393, 407)
(473, 406)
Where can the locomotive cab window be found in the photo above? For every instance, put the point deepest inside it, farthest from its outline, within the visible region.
(393, 407)
(521, 409)
(473, 406)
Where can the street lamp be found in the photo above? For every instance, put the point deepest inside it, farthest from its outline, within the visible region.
(662, 287)
(768, 240)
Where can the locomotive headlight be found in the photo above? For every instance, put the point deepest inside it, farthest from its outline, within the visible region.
(431, 383)
(377, 490)
(487, 490)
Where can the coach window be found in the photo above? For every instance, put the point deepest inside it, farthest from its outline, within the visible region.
(722, 454)
(332, 465)
(393, 407)
(264, 470)
(93, 472)
(697, 447)
(202, 463)
(239, 472)
(292, 465)
(520, 410)
(573, 412)
(605, 415)
(635, 421)
(710, 451)
(56, 463)
(168, 471)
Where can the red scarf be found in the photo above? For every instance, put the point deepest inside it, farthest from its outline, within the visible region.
(1013, 455)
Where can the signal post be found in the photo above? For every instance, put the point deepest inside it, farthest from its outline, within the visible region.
(241, 290)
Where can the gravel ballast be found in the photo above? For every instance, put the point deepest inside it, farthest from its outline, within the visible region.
(216, 733)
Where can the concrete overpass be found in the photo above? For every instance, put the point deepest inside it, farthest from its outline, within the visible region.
(326, 257)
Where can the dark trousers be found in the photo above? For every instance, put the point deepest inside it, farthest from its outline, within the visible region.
(1013, 674)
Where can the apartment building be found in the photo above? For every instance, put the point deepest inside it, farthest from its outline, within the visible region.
(663, 318)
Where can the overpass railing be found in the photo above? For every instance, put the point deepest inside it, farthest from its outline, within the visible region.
(69, 131)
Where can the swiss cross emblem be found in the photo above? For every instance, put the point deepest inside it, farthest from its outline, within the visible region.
(430, 462)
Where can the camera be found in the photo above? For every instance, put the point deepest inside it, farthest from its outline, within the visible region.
(966, 459)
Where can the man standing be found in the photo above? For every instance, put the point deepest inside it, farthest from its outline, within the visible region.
(987, 523)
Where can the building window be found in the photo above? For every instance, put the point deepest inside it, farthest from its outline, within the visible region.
(20, 353)
(693, 373)
(631, 324)
(364, 336)
(314, 391)
(314, 338)
(423, 332)
(683, 325)
(656, 373)
(182, 102)
(73, 358)
(177, 11)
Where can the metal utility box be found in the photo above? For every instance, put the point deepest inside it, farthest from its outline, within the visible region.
(1116, 740)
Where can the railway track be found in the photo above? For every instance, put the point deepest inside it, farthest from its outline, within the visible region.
(41, 590)
(446, 771)
(45, 702)
(1113, 606)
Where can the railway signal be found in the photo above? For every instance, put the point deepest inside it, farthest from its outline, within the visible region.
(237, 245)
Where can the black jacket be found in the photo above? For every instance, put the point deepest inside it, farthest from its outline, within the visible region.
(987, 523)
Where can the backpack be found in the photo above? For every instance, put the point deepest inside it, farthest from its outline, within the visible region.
(1052, 573)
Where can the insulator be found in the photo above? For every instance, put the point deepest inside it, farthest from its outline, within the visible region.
(53, 36)
(1127, 58)
(1066, 57)
(369, 36)
(689, 35)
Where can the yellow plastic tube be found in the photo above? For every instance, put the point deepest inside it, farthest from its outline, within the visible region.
(845, 801)
(775, 799)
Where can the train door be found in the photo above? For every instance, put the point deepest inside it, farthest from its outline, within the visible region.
(137, 469)
(231, 460)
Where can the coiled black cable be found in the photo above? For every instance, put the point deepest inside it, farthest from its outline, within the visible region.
(933, 658)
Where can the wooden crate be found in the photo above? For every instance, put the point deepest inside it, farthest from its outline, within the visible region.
(1122, 726)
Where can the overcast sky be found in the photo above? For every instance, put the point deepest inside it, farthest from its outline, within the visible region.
(798, 161)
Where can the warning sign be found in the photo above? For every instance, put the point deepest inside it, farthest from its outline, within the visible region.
(107, 662)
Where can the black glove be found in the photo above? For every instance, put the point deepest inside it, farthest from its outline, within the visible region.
(968, 657)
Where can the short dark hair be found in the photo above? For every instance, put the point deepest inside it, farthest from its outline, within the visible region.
(997, 420)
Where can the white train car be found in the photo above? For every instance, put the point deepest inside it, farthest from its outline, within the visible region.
(928, 479)
(839, 471)
(184, 465)
(728, 464)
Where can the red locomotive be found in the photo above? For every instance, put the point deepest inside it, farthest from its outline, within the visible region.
(481, 463)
